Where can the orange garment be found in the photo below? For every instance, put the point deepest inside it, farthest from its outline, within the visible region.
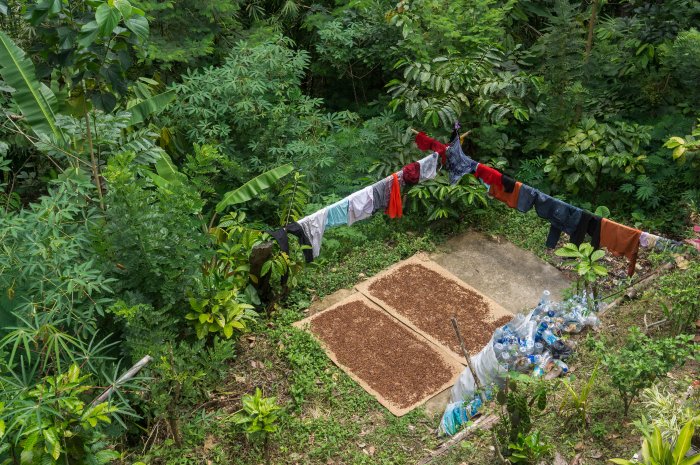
(395, 209)
(509, 198)
(620, 240)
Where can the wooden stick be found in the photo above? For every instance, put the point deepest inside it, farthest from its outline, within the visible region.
(484, 423)
(461, 138)
(125, 377)
(469, 362)
(643, 283)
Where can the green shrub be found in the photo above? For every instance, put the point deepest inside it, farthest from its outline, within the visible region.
(529, 450)
(53, 423)
(642, 360)
(223, 314)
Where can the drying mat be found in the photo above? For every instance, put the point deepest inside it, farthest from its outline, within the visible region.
(425, 296)
(398, 367)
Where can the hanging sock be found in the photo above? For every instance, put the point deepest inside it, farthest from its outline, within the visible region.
(395, 209)
(428, 143)
(508, 183)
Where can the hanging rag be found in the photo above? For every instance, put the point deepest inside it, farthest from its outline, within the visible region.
(489, 175)
(508, 183)
(314, 225)
(589, 224)
(428, 143)
(500, 193)
(428, 167)
(338, 213)
(280, 235)
(561, 216)
(458, 164)
(620, 240)
(380, 194)
(411, 173)
(395, 209)
(360, 205)
(526, 199)
(648, 240)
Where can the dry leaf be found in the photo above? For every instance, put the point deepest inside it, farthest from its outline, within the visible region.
(370, 450)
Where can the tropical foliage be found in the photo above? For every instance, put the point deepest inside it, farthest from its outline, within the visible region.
(147, 147)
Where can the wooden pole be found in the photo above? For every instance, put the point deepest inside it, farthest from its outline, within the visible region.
(469, 361)
(483, 423)
(125, 377)
(461, 138)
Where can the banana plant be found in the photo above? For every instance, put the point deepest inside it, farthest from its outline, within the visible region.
(36, 101)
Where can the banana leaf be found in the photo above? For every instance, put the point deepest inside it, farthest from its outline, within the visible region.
(253, 187)
(34, 99)
(151, 106)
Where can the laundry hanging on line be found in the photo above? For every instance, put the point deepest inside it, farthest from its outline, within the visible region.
(620, 240)
(385, 195)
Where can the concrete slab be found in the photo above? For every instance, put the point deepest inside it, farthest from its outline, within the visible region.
(513, 277)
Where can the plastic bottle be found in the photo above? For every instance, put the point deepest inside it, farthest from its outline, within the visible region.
(498, 348)
(542, 365)
(539, 348)
(548, 337)
(564, 367)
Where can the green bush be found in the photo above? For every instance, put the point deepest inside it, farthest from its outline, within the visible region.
(642, 360)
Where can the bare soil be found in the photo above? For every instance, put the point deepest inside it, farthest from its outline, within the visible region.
(430, 300)
(399, 365)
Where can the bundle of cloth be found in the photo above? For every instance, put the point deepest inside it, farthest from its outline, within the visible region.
(618, 239)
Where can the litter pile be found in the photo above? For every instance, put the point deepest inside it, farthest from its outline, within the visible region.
(527, 344)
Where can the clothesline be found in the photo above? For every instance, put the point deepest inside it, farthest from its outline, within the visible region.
(385, 195)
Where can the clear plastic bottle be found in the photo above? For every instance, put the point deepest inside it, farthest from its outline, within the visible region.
(506, 359)
(541, 367)
(563, 366)
(548, 337)
(539, 348)
(498, 348)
